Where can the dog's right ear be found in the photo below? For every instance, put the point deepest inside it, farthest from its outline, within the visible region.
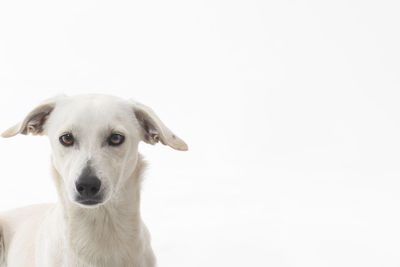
(34, 122)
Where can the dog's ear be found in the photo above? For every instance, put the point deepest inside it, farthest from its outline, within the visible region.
(154, 130)
(34, 121)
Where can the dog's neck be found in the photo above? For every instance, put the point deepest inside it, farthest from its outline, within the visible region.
(116, 224)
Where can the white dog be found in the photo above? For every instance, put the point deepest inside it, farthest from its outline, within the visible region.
(97, 171)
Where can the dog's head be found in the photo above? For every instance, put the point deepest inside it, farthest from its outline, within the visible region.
(94, 139)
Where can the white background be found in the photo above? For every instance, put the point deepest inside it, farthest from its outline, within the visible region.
(290, 109)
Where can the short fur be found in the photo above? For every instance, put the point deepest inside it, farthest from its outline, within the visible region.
(70, 234)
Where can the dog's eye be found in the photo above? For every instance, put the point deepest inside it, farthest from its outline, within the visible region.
(67, 139)
(116, 139)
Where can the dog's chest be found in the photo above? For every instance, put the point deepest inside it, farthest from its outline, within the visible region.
(69, 259)
(91, 244)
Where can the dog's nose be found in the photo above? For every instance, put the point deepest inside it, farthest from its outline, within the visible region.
(88, 186)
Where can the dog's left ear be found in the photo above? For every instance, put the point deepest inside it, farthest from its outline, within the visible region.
(34, 121)
(154, 130)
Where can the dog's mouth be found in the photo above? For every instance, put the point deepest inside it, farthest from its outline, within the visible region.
(89, 201)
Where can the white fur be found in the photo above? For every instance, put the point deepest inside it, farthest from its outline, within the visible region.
(68, 234)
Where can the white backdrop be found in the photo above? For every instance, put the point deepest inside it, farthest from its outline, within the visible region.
(290, 109)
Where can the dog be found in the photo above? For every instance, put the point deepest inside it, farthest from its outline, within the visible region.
(97, 170)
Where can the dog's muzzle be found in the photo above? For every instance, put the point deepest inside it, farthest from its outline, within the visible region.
(88, 188)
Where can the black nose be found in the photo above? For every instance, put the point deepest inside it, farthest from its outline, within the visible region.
(88, 186)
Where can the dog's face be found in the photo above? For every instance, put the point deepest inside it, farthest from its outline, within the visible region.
(94, 139)
(94, 143)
